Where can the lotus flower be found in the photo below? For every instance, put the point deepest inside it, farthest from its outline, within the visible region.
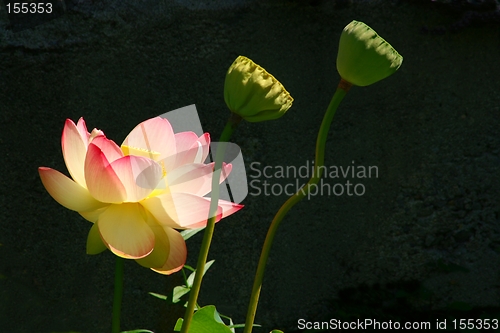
(137, 194)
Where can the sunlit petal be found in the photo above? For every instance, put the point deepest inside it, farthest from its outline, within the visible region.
(139, 176)
(102, 181)
(82, 129)
(203, 142)
(191, 148)
(155, 135)
(229, 208)
(185, 152)
(108, 147)
(74, 143)
(66, 192)
(195, 178)
(124, 230)
(180, 210)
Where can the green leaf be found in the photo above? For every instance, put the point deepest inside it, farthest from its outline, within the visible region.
(207, 320)
(186, 234)
(190, 268)
(179, 291)
(160, 296)
(276, 331)
(178, 325)
(191, 277)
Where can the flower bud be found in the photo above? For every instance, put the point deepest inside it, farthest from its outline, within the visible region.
(254, 94)
(364, 57)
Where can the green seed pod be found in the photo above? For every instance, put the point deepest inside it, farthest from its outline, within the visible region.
(254, 94)
(364, 57)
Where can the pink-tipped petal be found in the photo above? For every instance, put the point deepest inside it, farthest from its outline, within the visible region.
(229, 208)
(139, 176)
(177, 254)
(66, 192)
(180, 210)
(108, 147)
(101, 179)
(203, 142)
(124, 231)
(195, 178)
(185, 151)
(94, 241)
(155, 135)
(82, 129)
(74, 143)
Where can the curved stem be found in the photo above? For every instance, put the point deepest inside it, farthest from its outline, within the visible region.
(209, 230)
(117, 300)
(341, 91)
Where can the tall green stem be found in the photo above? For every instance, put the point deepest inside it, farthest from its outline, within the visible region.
(117, 301)
(209, 230)
(341, 91)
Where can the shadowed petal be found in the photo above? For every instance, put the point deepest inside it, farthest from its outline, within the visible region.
(180, 210)
(159, 256)
(66, 192)
(74, 143)
(93, 215)
(123, 229)
(177, 254)
(94, 241)
(102, 181)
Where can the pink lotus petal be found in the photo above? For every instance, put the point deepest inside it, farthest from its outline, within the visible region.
(229, 208)
(74, 143)
(191, 148)
(177, 254)
(203, 142)
(94, 241)
(185, 152)
(82, 129)
(226, 207)
(108, 147)
(195, 178)
(155, 135)
(180, 210)
(139, 176)
(66, 192)
(101, 179)
(124, 231)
